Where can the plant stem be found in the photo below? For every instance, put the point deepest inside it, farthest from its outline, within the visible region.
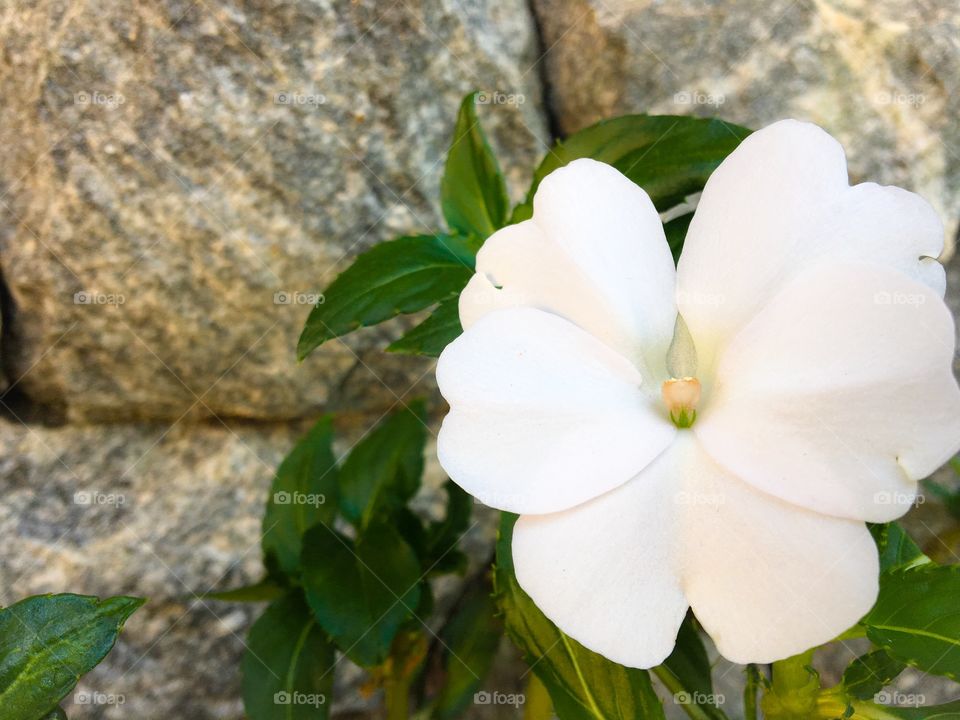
(537, 704)
(397, 697)
(673, 685)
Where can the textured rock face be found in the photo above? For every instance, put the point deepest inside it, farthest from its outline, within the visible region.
(179, 180)
(883, 77)
(169, 514)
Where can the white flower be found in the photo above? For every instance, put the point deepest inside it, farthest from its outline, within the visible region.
(820, 399)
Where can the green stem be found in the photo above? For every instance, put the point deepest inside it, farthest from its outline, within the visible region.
(537, 704)
(673, 685)
(397, 697)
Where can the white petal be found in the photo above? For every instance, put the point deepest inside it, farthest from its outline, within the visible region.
(543, 416)
(604, 572)
(767, 579)
(594, 252)
(778, 203)
(839, 395)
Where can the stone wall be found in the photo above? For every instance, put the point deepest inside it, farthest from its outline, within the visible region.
(177, 179)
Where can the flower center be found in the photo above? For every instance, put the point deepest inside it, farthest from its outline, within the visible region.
(681, 392)
(681, 396)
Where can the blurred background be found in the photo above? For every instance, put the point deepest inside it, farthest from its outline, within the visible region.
(179, 180)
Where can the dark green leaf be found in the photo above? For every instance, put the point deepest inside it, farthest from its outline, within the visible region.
(676, 232)
(395, 277)
(689, 669)
(266, 590)
(383, 470)
(869, 674)
(288, 664)
(432, 335)
(304, 492)
(668, 156)
(471, 639)
(917, 619)
(582, 684)
(360, 593)
(442, 538)
(48, 642)
(896, 548)
(472, 191)
(56, 714)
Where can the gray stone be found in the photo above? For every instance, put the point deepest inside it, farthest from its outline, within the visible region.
(167, 513)
(181, 178)
(883, 77)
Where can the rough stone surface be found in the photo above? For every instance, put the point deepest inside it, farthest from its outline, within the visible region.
(883, 77)
(179, 164)
(148, 156)
(167, 513)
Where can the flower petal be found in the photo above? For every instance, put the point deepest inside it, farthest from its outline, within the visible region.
(839, 395)
(604, 571)
(595, 253)
(767, 579)
(543, 416)
(778, 203)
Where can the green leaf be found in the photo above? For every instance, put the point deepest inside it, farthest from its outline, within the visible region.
(266, 590)
(384, 469)
(288, 664)
(360, 592)
(897, 549)
(869, 674)
(689, 673)
(689, 662)
(47, 642)
(676, 232)
(668, 156)
(395, 277)
(304, 493)
(916, 619)
(442, 537)
(582, 684)
(471, 639)
(56, 714)
(432, 335)
(472, 191)
(871, 711)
